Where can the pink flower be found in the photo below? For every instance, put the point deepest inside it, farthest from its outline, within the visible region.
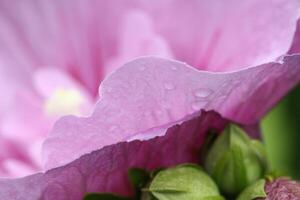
(283, 189)
(295, 48)
(55, 54)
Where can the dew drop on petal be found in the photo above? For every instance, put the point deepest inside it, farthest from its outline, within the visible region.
(147, 113)
(165, 104)
(159, 112)
(114, 128)
(108, 89)
(198, 105)
(202, 92)
(142, 68)
(169, 86)
(174, 68)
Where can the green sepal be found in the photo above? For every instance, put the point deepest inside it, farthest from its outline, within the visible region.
(146, 195)
(210, 138)
(184, 182)
(138, 177)
(155, 172)
(254, 191)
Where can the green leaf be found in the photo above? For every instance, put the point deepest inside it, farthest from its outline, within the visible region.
(256, 190)
(138, 177)
(103, 196)
(184, 182)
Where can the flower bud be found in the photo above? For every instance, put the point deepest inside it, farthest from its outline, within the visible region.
(235, 161)
(280, 188)
(183, 182)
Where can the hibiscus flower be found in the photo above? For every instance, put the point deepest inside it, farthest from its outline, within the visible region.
(228, 59)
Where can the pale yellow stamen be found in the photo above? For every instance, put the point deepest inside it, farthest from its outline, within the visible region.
(64, 102)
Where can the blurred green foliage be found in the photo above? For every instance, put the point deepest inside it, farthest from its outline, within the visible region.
(281, 133)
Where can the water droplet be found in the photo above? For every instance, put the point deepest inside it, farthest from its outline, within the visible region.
(108, 89)
(142, 68)
(114, 128)
(147, 113)
(169, 86)
(165, 104)
(198, 105)
(158, 112)
(202, 92)
(174, 68)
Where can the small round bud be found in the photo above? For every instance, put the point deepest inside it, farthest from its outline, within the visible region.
(183, 182)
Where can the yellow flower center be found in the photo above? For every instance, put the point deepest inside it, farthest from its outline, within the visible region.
(64, 102)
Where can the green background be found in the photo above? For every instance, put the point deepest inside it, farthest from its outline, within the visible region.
(281, 133)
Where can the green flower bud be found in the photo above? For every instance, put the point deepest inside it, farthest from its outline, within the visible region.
(184, 182)
(235, 161)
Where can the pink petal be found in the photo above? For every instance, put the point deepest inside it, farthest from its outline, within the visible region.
(150, 94)
(282, 189)
(64, 34)
(138, 38)
(77, 35)
(20, 123)
(25, 124)
(105, 170)
(16, 168)
(48, 80)
(10, 149)
(243, 95)
(73, 35)
(296, 42)
(225, 35)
